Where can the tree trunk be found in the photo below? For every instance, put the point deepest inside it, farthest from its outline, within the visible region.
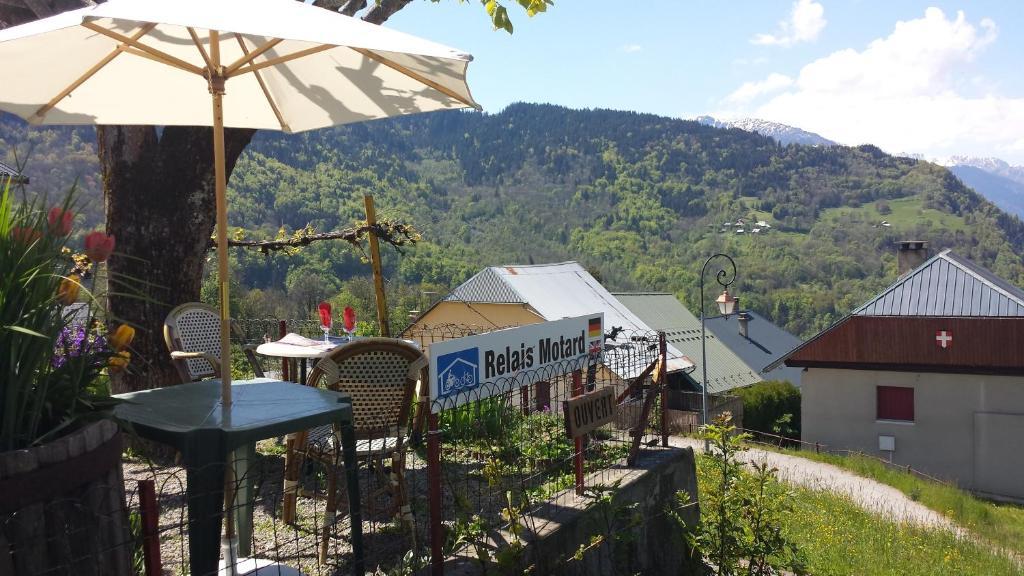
(159, 193)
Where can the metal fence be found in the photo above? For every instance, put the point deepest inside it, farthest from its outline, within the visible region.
(449, 487)
(504, 456)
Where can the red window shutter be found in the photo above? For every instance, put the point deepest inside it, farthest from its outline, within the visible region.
(895, 403)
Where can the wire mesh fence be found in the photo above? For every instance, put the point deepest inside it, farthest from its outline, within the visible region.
(503, 457)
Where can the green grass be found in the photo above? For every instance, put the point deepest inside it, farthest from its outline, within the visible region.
(906, 214)
(1000, 524)
(839, 538)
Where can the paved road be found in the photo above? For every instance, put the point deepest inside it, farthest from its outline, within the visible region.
(869, 494)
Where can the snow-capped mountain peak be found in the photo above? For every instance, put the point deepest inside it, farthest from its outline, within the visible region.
(781, 133)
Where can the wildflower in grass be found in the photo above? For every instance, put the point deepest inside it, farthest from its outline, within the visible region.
(67, 292)
(99, 246)
(60, 221)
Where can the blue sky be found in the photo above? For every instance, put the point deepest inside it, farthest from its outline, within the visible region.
(934, 78)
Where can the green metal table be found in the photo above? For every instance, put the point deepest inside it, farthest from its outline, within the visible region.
(191, 418)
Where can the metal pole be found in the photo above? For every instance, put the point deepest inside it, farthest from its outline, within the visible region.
(725, 280)
(663, 381)
(434, 480)
(577, 390)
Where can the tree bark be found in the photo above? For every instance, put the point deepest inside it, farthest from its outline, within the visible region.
(160, 206)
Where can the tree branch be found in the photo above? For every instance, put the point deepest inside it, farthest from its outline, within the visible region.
(394, 233)
(383, 10)
(352, 6)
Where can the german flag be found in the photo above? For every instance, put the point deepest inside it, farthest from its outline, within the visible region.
(594, 327)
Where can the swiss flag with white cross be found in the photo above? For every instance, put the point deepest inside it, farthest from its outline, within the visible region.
(944, 339)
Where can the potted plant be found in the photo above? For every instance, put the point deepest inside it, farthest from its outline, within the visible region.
(62, 502)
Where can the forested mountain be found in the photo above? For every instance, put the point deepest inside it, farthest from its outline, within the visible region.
(639, 199)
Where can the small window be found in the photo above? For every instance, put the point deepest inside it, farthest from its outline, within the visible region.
(895, 403)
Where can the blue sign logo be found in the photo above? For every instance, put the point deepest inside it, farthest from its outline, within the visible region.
(458, 372)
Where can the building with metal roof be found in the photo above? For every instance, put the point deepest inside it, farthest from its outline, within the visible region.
(947, 285)
(503, 296)
(928, 373)
(664, 312)
(758, 342)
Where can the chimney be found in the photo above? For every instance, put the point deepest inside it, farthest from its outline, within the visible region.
(744, 321)
(909, 255)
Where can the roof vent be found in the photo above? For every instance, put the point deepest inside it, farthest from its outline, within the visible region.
(909, 255)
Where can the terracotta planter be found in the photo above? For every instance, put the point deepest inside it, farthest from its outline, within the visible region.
(63, 509)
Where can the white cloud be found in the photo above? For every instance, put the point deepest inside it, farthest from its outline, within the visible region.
(632, 48)
(753, 90)
(912, 91)
(806, 21)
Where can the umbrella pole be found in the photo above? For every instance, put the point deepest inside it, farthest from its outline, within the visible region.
(216, 78)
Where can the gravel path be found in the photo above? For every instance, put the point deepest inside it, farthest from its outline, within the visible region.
(869, 494)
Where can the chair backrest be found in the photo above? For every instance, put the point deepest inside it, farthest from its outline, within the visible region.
(380, 375)
(193, 327)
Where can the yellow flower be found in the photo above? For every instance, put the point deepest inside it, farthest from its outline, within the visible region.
(67, 292)
(120, 339)
(119, 361)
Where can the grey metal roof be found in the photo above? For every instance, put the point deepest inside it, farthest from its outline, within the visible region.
(765, 342)
(485, 286)
(947, 285)
(663, 312)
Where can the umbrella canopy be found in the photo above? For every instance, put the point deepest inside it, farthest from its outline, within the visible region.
(274, 64)
(287, 65)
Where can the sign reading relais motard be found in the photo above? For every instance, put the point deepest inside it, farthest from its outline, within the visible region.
(460, 369)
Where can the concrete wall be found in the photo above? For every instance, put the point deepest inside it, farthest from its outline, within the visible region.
(654, 548)
(966, 428)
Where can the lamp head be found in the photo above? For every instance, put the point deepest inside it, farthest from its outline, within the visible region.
(726, 303)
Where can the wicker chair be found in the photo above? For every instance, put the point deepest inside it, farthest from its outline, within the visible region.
(380, 375)
(192, 334)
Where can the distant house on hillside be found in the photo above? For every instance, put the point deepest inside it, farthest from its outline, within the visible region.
(929, 373)
(504, 296)
(757, 341)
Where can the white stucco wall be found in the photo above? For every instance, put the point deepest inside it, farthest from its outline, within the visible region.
(965, 426)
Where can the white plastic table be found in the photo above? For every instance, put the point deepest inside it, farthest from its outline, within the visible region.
(294, 347)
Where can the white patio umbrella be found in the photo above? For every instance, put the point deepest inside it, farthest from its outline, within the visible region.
(268, 64)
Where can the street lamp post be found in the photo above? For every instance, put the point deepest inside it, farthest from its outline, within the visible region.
(726, 305)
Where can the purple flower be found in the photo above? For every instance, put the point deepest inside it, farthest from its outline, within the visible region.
(73, 342)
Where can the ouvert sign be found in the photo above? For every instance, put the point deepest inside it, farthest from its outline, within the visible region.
(588, 412)
(461, 369)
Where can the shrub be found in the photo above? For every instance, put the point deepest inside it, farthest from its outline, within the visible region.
(742, 511)
(773, 407)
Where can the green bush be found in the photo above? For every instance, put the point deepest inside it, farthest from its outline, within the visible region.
(773, 407)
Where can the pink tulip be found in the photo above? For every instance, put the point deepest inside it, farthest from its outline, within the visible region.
(99, 246)
(60, 221)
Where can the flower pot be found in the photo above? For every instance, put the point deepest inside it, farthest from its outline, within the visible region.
(63, 508)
